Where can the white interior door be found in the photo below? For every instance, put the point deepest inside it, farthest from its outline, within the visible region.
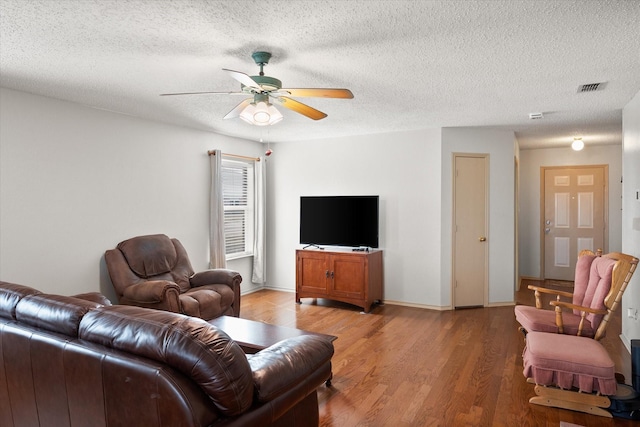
(573, 217)
(470, 230)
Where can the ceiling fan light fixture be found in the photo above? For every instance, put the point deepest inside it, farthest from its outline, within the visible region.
(577, 144)
(261, 114)
(247, 113)
(275, 115)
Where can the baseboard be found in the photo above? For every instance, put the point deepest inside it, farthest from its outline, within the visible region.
(267, 288)
(391, 302)
(425, 306)
(530, 278)
(626, 341)
(250, 291)
(501, 304)
(270, 288)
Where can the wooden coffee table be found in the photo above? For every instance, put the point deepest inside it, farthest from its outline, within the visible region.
(254, 336)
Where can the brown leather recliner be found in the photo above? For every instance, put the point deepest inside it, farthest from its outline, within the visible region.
(154, 271)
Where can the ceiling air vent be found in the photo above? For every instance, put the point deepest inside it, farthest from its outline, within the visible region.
(591, 87)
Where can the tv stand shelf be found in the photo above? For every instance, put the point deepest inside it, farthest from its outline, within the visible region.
(351, 277)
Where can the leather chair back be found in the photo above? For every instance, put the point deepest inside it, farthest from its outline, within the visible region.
(154, 257)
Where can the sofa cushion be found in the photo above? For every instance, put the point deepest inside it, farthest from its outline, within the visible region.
(10, 295)
(55, 313)
(192, 346)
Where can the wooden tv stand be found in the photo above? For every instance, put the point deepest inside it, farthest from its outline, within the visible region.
(351, 277)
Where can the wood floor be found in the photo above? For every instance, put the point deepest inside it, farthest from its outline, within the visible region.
(402, 366)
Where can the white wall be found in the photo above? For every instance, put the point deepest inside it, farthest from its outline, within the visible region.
(631, 212)
(75, 181)
(411, 172)
(402, 168)
(530, 163)
(501, 147)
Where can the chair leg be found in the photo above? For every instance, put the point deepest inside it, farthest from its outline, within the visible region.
(524, 333)
(572, 400)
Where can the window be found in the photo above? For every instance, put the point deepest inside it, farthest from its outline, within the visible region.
(238, 195)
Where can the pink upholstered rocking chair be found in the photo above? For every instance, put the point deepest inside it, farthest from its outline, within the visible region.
(600, 281)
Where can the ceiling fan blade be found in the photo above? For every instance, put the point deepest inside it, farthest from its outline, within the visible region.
(244, 79)
(322, 93)
(299, 107)
(203, 93)
(238, 109)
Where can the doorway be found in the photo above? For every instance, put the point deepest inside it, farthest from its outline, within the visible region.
(573, 215)
(470, 253)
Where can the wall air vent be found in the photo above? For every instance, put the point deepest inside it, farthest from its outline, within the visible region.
(535, 116)
(591, 87)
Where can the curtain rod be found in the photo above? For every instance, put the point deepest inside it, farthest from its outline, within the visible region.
(237, 156)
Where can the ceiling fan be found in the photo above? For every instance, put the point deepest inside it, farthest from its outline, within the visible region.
(258, 110)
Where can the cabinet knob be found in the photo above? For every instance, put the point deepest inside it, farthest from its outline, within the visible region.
(326, 274)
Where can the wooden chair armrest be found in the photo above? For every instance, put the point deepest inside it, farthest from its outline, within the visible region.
(583, 314)
(551, 291)
(570, 306)
(540, 290)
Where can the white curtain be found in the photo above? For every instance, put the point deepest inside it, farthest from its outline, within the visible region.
(217, 257)
(258, 275)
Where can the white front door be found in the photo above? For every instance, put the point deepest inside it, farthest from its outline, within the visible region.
(573, 217)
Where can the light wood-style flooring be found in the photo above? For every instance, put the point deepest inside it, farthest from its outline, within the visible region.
(403, 366)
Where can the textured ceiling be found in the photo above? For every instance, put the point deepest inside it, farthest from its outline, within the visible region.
(410, 64)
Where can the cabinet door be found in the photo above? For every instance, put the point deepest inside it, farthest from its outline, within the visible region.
(349, 276)
(313, 271)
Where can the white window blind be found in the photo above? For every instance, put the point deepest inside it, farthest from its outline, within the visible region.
(237, 193)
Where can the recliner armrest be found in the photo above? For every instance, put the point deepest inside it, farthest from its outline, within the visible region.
(217, 276)
(284, 365)
(152, 291)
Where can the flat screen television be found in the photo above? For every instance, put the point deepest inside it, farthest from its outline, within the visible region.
(339, 221)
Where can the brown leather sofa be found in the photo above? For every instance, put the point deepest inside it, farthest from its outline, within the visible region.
(154, 271)
(78, 361)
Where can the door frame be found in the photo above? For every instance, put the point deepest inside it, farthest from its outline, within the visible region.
(516, 223)
(487, 168)
(605, 207)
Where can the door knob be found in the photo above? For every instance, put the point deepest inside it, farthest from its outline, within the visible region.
(482, 239)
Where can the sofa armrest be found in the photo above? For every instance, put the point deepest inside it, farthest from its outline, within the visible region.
(153, 293)
(217, 276)
(96, 297)
(286, 364)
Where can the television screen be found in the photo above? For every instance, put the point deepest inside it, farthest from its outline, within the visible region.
(339, 220)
